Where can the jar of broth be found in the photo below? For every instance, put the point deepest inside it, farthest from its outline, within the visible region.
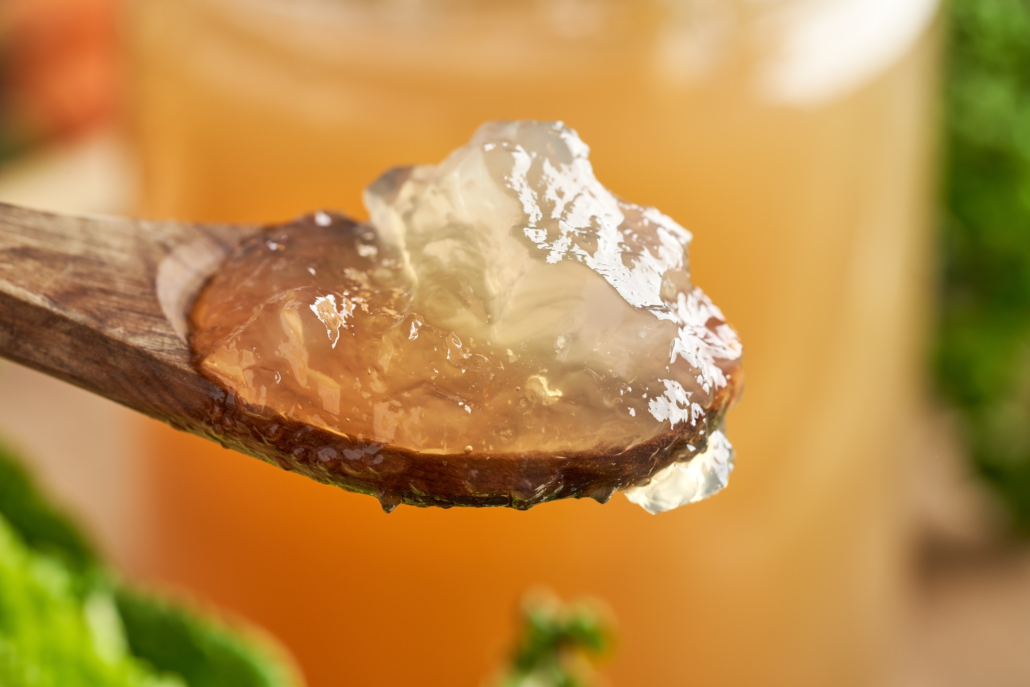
(792, 137)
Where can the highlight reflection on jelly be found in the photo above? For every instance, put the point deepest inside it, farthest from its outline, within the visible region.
(500, 305)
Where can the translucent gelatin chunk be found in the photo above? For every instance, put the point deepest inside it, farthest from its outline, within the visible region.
(688, 480)
(501, 305)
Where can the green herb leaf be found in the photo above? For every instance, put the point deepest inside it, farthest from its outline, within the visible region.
(982, 357)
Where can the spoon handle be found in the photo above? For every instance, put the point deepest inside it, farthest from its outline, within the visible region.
(100, 302)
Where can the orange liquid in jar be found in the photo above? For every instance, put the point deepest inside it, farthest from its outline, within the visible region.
(808, 214)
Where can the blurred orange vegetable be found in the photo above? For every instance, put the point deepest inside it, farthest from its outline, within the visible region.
(59, 66)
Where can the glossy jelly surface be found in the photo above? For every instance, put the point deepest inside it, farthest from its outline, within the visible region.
(500, 305)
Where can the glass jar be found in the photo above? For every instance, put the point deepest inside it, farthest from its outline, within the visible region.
(790, 136)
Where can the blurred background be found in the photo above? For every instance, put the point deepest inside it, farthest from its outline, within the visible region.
(856, 174)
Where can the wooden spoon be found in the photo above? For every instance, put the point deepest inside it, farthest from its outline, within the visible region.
(102, 303)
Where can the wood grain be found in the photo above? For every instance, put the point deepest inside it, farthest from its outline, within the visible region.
(80, 300)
